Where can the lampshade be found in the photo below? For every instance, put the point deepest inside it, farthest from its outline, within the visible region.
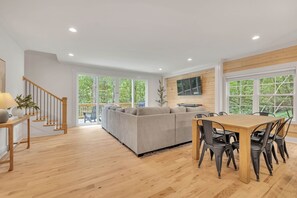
(7, 101)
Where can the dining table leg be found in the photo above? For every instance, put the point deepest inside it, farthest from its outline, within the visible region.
(195, 140)
(245, 156)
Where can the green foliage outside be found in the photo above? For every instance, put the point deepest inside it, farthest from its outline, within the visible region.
(126, 92)
(275, 95)
(106, 90)
(86, 86)
(139, 92)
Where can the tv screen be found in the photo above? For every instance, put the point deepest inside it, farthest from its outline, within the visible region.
(190, 86)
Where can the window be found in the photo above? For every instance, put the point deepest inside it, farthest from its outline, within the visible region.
(125, 98)
(270, 94)
(277, 95)
(139, 93)
(241, 96)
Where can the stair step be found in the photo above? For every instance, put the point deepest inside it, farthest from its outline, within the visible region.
(48, 125)
(51, 123)
(58, 129)
(38, 120)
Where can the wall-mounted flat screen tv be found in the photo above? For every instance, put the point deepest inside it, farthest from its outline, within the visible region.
(189, 86)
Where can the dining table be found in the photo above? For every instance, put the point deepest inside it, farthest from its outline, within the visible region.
(242, 124)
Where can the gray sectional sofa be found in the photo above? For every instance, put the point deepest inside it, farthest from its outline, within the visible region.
(151, 128)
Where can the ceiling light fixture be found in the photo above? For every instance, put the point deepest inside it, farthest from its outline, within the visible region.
(160, 69)
(72, 29)
(256, 37)
(70, 54)
(190, 59)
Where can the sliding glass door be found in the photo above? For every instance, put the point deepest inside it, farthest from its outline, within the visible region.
(96, 91)
(87, 100)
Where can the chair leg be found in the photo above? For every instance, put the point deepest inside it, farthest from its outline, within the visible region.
(274, 153)
(256, 163)
(202, 155)
(233, 160)
(219, 158)
(281, 150)
(211, 154)
(267, 163)
(285, 147)
(268, 149)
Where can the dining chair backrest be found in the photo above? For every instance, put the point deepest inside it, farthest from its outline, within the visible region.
(287, 124)
(209, 131)
(200, 115)
(212, 114)
(222, 113)
(268, 129)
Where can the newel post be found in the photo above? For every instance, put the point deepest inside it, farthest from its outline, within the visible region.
(64, 116)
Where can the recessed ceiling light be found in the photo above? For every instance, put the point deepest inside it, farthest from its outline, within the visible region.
(256, 37)
(72, 29)
(190, 59)
(160, 69)
(70, 54)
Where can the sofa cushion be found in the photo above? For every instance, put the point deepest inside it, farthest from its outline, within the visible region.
(132, 111)
(153, 110)
(195, 109)
(178, 110)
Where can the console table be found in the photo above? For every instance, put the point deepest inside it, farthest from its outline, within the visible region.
(10, 125)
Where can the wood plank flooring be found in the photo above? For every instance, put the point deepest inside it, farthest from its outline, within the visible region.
(88, 162)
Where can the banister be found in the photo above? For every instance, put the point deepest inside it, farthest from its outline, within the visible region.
(26, 79)
(52, 107)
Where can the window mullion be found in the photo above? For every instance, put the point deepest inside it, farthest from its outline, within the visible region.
(256, 95)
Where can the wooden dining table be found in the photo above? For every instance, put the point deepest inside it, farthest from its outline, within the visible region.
(242, 124)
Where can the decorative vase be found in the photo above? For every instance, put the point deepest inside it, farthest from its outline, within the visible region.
(17, 112)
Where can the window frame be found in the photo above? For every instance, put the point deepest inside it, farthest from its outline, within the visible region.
(256, 94)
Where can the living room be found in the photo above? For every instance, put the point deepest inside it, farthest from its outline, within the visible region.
(103, 130)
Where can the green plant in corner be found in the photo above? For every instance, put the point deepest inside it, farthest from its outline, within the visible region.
(161, 93)
(25, 102)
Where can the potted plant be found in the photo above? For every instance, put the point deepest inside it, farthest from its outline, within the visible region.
(161, 92)
(24, 102)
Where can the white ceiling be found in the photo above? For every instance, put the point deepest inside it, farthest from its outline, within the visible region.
(145, 35)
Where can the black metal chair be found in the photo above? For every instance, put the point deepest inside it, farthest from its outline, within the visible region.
(202, 137)
(280, 139)
(229, 134)
(257, 148)
(270, 146)
(90, 116)
(218, 147)
(222, 113)
(211, 114)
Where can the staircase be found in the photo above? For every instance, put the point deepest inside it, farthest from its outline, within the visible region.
(52, 109)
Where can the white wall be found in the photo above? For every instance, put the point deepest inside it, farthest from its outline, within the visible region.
(60, 78)
(13, 55)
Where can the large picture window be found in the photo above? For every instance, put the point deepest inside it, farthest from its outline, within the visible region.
(270, 94)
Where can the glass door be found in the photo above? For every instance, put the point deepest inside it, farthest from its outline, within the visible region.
(106, 93)
(87, 101)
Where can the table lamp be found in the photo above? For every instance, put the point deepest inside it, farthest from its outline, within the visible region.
(6, 101)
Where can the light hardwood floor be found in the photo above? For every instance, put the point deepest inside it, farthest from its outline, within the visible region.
(88, 162)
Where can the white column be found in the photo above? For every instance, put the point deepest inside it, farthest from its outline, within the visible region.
(219, 87)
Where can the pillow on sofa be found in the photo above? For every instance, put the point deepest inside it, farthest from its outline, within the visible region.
(153, 110)
(178, 110)
(132, 111)
(195, 109)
